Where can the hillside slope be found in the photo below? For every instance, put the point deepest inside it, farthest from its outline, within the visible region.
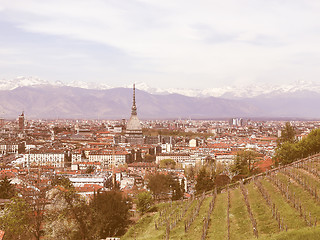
(283, 204)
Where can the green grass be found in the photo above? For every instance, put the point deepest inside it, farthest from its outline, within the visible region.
(307, 200)
(218, 224)
(265, 222)
(310, 177)
(315, 165)
(196, 227)
(296, 234)
(144, 229)
(178, 232)
(291, 216)
(240, 223)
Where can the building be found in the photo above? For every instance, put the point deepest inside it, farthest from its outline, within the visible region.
(10, 148)
(49, 157)
(177, 157)
(134, 130)
(239, 122)
(193, 143)
(225, 158)
(1, 122)
(152, 140)
(21, 122)
(109, 158)
(81, 181)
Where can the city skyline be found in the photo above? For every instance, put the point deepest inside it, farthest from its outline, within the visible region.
(162, 43)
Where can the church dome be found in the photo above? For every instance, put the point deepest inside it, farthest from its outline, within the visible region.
(134, 124)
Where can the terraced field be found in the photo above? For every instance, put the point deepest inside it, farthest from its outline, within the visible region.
(283, 203)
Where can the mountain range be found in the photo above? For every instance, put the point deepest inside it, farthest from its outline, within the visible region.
(77, 100)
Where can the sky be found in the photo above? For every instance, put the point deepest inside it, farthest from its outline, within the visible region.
(164, 43)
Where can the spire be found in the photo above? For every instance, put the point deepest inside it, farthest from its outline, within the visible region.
(134, 107)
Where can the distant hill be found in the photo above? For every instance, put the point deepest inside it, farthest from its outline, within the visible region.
(47, 101)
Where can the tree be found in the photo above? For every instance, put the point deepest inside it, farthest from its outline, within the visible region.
(158, 184)
(163, 185)
(90, 169)
(149, 158)
(62, 181)
(34, 193)
(288, 134)
(177, 192)
(204, 181)
(15, 220)
(71, 217)
(167, 163)
(7, 190)
(68, 216)
(245, 162)
(190, 172)
(287, 152)
(60, 223)
(182, 185)
(144, 201)
(111, 214)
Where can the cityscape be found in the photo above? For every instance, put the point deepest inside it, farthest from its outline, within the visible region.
(159, 120)
(104, 155)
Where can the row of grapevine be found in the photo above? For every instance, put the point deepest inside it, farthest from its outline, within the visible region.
(193, 214)
(293, 200)
(207, 218)
(303, 181)
(253, 220)
(291, 191)
(274, 209)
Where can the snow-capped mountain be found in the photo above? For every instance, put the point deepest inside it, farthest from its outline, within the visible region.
(35, 81)
(88, 85)
(21, 82)
(44, 99)
(229, 92)
(236, 92)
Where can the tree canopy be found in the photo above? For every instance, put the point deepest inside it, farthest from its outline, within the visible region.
(7, 190)
(289, 152)
(288, 134)
(16, 220)
(245, 162)
(167, 163)
(205, 181)
(144, 201)
(162, 185)
(111, 214)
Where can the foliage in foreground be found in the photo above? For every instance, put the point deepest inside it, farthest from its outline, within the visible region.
(67, 215)
(144, 202)
(161, 185)
(16, 220)
(290, 151)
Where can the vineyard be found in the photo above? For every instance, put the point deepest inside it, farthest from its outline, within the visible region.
(283, 203)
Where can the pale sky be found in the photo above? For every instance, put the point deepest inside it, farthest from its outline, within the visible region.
(164, 43)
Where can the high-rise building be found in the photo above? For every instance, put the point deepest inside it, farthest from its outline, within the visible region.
(1, 122)
(134, 130)
(21, 122)
(236, 122)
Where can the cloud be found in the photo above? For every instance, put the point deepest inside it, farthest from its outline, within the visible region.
(215, 41)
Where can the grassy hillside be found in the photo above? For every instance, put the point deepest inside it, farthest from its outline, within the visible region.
(284, 204)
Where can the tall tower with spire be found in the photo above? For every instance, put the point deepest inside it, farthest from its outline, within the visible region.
(134, 130)
(134, 107)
